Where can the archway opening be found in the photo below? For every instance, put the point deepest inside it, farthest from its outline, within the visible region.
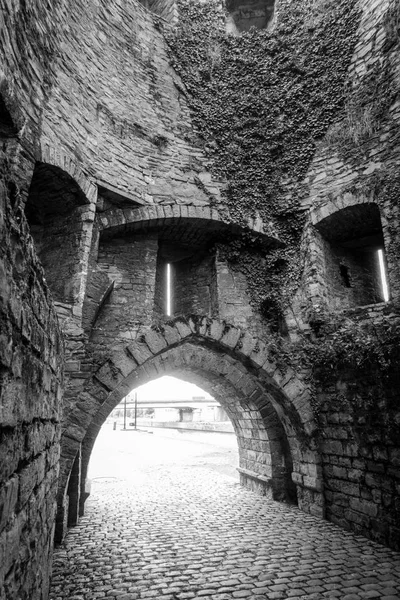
(166, 422)
(269, 410)
(265, 453)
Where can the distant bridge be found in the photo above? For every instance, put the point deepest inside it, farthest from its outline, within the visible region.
(195, 402)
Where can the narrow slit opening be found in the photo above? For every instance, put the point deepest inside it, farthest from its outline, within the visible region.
(382, 269)
(168, 290)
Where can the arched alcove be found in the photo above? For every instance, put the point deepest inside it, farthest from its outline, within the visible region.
(55, 213)
(130, 257)
(352, 252)
(245, 14)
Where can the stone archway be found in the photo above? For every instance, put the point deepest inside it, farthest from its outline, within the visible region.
(270, 410)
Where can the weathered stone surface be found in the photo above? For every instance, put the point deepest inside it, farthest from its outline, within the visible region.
(30, 406)
(140, 352)
(260, 549)
(155, 341)
(113, 189)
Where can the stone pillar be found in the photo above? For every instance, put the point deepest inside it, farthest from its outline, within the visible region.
(74, 491)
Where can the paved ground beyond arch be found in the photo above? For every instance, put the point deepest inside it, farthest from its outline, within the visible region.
(184, 529)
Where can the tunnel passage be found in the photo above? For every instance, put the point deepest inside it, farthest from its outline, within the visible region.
(269, 409)
(265, 458)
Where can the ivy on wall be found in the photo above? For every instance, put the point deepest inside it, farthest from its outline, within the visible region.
(260, 102)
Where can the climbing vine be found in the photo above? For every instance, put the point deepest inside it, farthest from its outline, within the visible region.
(346, 343)
(260, 102)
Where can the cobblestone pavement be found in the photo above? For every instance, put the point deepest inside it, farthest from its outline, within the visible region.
(184, 531)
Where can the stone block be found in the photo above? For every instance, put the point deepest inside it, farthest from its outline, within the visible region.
(8, 501)
(260, 354)
(109, 375)
(355, 517)
(215, 329)
(140, 352)
(29, 477)
(363, 506)
(171, 335)
(332, 447)
(123, 362)
(312, 483)
(183, 328)
(155, 341)
(97, 391)
(231, 337)
(246, 344)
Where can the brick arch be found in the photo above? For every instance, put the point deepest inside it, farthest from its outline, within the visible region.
(265, 457)
(332, 206)
(225, 360)
(158, 216)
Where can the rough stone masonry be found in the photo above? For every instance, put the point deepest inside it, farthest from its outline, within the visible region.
(114, 164)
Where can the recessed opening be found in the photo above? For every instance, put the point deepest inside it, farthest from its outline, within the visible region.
(185, 279)
(53, 211)
(245, 14)
(355, 273)
(7, 127)
(345, 275)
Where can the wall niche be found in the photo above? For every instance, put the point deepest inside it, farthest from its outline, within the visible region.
(245, 14)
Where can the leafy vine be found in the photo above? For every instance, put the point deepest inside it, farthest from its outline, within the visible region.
(260, 103)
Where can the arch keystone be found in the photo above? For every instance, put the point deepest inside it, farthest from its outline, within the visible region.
(193, 323)
(202, 326)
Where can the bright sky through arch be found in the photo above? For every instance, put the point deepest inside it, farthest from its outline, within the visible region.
(169, 388)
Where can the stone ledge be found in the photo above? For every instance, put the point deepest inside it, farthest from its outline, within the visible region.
(255, 475)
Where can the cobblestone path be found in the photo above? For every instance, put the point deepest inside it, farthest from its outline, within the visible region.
(181, 532)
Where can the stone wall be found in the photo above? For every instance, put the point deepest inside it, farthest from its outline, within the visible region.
(92, 113)
(132, 268)
(356, 164)
(167, 9)
(358, 415)
(31, 355)
(137, 150)
(31, 348)
(120, 108)
(192, 284)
